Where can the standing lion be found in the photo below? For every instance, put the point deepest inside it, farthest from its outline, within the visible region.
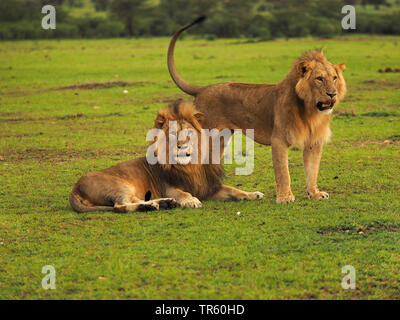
(294, 112)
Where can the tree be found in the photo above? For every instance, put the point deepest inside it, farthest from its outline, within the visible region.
(129, 11)
(76, 3)
(182, 12)
(376, 3)
(17, 10)
(101, 5)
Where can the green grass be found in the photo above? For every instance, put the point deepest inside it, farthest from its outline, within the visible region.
(50, 137)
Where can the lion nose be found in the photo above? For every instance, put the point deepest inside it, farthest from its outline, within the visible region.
(331, 94)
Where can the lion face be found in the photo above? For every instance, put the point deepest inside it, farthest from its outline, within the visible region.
(181, 124)
(321, 84)
(182, 137)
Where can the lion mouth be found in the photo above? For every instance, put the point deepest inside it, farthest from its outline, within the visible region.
(326, 105)
(183, 158)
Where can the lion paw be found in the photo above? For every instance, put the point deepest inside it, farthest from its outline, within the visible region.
(192, 202)
(256, 195)
(318, 195)
(285, 198)
(148, 206)
(167, 203)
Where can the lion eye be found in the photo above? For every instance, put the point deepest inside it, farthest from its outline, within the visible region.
(320, 79)
(334, 78)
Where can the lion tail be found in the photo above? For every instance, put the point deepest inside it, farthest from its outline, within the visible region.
(76, 203)
(179, 81)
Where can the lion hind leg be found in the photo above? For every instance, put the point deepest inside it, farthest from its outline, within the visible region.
(227, 193)
(138, 206)
(151, 205)
(167, 203)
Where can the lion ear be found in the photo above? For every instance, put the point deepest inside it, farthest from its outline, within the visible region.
(340, 67)
(199, 117)
(305, 67)
(159, 121)
(341, 84)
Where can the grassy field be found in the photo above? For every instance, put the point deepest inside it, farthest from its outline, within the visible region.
(63, 113)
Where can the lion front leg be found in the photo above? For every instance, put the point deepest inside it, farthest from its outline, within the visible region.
(312, 159)
(184, 199)
(227, 193)
(281, 170)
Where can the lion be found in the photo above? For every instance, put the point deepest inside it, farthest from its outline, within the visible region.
(294, 112)
(137, 185)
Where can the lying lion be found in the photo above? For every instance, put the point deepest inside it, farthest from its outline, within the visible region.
(294, 112)
(136, 185)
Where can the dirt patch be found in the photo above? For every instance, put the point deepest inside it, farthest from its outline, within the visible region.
(84, 86)
(17, 93)
(166, 99)
(66, 117)
(57, 155)
(22, 135)
(389, 70)
(10, 114)
(394, 138)
(385, 142)
(70, 116)
(351, 98)
(359, 230)
(379, 114)
(371, 85)
(102, 85)
(344, 113)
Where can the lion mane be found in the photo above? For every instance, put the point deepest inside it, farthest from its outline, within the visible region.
(305, 125)
(136, 185)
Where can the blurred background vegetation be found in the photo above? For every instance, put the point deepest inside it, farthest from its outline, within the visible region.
(259, 19)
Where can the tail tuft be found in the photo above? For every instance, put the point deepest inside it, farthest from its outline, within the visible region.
(199, 20)
(147, 196)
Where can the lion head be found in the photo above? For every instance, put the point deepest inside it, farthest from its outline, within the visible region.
(179, 128)
(320, 84)
(181, 125)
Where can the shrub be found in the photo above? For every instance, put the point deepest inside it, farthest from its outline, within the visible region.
(109, 29)
(378, 23)
(6, 32)
(259, 27)
(21, 19)
(324, 28)
(223, 26)
(64, 30)
(26, 30)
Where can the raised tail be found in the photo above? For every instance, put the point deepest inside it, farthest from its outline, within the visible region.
(179, 81)
(76, 203)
